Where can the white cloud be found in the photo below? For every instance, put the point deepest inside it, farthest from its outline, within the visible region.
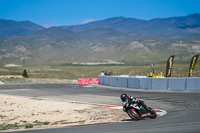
(85, 21)
(46, 24)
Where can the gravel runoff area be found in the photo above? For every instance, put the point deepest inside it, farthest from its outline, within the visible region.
(24, 113)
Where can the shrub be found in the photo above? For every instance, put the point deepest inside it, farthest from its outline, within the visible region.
(29, 126)
(25, 74)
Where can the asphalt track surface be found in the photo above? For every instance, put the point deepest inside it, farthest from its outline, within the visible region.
(183, 108)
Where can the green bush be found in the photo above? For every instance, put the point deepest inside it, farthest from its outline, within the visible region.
(29, 126)
(46, 123)
(25, 74)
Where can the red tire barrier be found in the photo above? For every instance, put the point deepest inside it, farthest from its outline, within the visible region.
(94, 81)
(86, 81)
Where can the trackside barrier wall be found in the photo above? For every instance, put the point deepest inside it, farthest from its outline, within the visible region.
(145, 83)
(133, 83)
(174, 84)
(101, 80)
(94, 81)
(159, 84)
(113, 81)
(86, 81)
(177, 84)
(193, 84)
(122, 82)
(106, 80)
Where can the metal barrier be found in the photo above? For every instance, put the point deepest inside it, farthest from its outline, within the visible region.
(174, 84)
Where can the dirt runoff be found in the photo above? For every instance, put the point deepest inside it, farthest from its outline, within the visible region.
(22, 113)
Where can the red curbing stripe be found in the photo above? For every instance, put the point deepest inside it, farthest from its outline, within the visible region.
(158, 111)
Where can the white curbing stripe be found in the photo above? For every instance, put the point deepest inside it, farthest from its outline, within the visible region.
(88, 86)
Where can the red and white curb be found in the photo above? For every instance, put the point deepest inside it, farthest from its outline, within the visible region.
(159, 112)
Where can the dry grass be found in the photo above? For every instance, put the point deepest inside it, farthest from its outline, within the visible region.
(69, 74)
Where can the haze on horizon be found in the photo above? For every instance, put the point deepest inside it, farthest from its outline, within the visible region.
(56, 13)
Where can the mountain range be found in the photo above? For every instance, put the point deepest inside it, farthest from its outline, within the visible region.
(113, 39)
(159, 27)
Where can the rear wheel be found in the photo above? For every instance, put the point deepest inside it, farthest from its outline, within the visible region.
(133, 114)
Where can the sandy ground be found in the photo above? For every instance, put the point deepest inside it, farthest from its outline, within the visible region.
(42, 80)
(1, 82)
(16, 79)
(43, 113)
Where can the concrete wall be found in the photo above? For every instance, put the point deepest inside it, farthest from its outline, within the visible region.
(122, 82)
(193, 84)
(145, 83)
(113, 81)
(133, 83)
(101, 80)
(177, 84)
(174, 84)
(159, 84)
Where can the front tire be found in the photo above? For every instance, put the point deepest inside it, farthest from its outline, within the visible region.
(153, 114)
(133, 114)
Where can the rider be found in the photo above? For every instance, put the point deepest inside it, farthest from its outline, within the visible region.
(125, 98)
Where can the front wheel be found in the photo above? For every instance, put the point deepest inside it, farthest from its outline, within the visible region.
(153, 114)
(133, 114)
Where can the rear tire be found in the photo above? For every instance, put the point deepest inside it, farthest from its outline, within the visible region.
(133, 114)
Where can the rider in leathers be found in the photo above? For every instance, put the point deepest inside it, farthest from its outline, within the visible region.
(127, 99)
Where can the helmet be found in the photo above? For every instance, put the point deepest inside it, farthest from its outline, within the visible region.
(123, 96)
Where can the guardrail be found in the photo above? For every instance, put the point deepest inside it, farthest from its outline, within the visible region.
(174, 84)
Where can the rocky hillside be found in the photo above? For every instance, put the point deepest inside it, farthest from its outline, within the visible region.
(114, 39)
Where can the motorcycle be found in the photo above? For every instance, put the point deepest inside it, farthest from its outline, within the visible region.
(136, 111)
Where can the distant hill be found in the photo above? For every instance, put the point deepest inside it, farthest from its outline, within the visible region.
(9, 28)
(160, 27)
(114, 39)
(103, 34)
(122, 24)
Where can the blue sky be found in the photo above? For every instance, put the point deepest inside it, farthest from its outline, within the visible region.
(72, 12)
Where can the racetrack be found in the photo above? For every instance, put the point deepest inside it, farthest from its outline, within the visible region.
(182, 107)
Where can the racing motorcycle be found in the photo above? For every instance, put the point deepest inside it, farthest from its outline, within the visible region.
(136, 111)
